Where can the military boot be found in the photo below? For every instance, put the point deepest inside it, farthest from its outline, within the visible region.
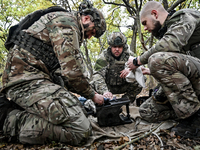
(5, 108)
(189, 127)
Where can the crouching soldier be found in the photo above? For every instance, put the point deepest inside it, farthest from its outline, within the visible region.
(44, 65)
(110, 70)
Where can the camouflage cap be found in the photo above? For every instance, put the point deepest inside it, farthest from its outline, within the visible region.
(86, 8)
(116, 39)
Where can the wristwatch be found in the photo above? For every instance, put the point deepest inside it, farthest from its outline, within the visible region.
(135, 62)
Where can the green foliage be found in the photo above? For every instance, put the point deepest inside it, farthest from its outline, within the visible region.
(118, 18)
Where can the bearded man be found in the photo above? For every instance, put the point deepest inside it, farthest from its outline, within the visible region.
(44, 66)
(174, 62)
(110, 70)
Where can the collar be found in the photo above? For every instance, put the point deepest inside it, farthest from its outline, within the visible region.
(163, 29)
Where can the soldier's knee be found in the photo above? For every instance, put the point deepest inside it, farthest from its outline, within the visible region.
(76, 138)
(10, 126)
(49, 132)
(45, 132)
(82, 129)
(77, 131)
(31, 129)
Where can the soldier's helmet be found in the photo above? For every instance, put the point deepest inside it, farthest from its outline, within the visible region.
(86, 8)
(116, 39)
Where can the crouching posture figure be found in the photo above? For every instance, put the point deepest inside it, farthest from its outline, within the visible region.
(110, 70)
(44, 65)
(178, 73)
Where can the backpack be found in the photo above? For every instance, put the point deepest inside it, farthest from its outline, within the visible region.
(27, 22)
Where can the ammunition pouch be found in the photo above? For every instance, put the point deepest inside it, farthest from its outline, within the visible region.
(37, 48)
(113, 75)
(41, 51)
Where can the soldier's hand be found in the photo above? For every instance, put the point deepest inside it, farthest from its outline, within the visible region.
(124, 73)
(130, 63)
(98, 98)
(108, 95)
(145, 71)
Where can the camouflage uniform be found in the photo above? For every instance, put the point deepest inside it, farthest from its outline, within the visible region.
(106, 78)
(178, 73)
(51, 112)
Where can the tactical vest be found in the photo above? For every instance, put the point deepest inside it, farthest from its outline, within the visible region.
(35, 46)
(113, 74)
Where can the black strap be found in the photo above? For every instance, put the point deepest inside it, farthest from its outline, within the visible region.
(27, 22)
(37, 48)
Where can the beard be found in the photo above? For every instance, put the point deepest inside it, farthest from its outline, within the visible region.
(116, 57)
(155, 31)
(85, 26)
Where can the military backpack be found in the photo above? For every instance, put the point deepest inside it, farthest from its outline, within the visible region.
(36, 47)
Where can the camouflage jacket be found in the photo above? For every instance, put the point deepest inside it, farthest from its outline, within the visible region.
(183, 31)
(102, 67)
(62, 30)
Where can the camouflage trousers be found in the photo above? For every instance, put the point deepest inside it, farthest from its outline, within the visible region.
(51, 113)
(179, 76)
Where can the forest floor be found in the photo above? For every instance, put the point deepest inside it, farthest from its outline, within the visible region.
(165, 141)
(150, 142)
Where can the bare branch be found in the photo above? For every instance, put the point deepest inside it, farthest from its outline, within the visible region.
(114, 3)
(140, 7)
(74, 4)
(112, 14)
(175, 5)
(165, 4)
(142, 42)
(189, 3)
(68, 6)
(129, 8)
(88, 61)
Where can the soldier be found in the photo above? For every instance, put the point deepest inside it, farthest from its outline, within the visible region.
(178, 73)
(110, 74)
(44, 65)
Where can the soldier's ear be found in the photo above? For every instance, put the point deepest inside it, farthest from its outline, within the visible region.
(86, 19)
(154, 13)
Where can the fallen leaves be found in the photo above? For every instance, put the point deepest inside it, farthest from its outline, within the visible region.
(151, 142)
